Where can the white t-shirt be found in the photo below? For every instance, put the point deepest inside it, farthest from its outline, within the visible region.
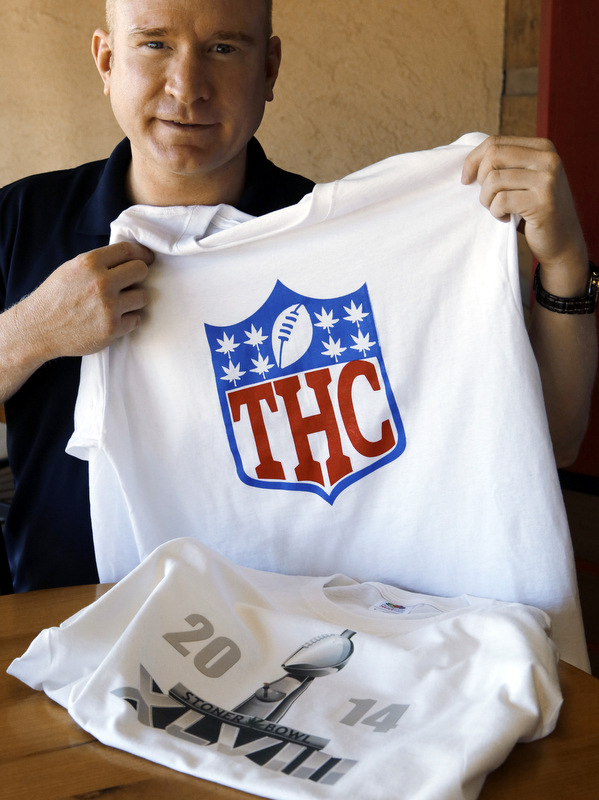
(301, 687)
(345, 385)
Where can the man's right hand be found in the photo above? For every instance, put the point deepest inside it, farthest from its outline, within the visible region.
(83, 306)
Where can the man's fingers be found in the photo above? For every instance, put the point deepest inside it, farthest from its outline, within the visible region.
(127, 263)
(122, 276)
(132, 303)
(122, 316)
(512, 182)
(132, 300)
(518, 141)
(129, 322)
(113, 255)
(500, 152)
(505, 203)
(116, 267)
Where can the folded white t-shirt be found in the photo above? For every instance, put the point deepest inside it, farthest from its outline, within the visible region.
(301, 687)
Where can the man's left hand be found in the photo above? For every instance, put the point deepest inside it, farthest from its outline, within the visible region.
(525, 176)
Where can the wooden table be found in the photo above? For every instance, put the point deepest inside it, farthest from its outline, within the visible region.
(44, 755)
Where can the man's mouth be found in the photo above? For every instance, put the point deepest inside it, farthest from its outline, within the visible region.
(181, 124)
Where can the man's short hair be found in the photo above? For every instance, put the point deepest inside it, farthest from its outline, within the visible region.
(111, 5)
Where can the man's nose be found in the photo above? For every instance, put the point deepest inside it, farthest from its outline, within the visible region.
(188, 78)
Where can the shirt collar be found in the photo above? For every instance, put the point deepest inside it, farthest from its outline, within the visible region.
(109, 198)
(267, 188)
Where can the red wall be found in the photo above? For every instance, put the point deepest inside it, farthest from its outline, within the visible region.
(568, 114)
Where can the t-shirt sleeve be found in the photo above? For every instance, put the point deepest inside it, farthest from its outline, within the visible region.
(90, 406)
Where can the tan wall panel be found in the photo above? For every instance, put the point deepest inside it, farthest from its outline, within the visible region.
(361, 80)
(54, 113)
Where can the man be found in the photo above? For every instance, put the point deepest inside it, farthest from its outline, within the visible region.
(188, 81)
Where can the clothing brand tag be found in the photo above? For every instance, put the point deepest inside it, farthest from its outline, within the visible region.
(388, 607)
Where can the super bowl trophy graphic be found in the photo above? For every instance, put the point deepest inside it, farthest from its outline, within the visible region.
(320, 656)
(252, 730)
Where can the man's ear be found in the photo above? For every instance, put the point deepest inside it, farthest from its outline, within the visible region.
(102, 53)
(273, 62)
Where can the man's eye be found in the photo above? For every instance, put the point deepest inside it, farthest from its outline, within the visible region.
(155, 45)
(223, 49)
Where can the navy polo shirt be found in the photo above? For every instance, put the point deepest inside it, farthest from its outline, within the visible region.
(46, 220)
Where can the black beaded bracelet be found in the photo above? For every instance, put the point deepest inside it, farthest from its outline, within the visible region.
(569, 305)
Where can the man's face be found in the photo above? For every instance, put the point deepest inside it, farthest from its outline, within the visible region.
(188, 80)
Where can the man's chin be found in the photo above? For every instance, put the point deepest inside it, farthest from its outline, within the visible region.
(188, 158)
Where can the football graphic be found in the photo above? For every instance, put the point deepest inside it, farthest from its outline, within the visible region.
(291, 335)
(322, 655)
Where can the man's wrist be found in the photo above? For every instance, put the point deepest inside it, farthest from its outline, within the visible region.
(567, 274)
(581, 302)
(29, 345)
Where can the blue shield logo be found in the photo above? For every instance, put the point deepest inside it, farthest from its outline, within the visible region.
(304, 393)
